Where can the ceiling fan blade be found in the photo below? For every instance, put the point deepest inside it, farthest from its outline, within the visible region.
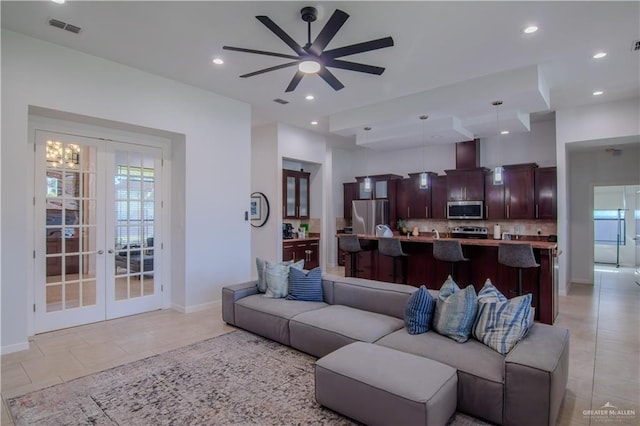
(353, 66)
(295, 81)
(259, 52)
(330, 79)
(277, 67)
(281, 34)
(359, 48)
(329, 31)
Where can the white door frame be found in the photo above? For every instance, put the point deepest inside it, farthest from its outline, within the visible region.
(72, 126)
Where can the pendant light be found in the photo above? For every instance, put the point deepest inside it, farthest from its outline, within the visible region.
(424, 177)
(498, 175)
(367, 180)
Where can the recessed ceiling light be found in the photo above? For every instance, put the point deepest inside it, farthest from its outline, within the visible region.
(218, 61)
(504, 132)
(598, 93)
(531, 29)
(58, 1)
(599, 55)
(309, 97)
(314, 123)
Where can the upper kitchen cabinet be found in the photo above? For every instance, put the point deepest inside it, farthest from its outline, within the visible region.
(518, 191)
(295, 190)
(350, 193)
(414, 202)
(438, 187)
(493, 199)
(545, 192)
(465, 184)
(383, 187)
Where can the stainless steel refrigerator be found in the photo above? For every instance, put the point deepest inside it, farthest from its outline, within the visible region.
(366, 214)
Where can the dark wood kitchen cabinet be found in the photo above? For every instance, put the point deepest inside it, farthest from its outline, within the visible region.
(414, 202)
(349, 193)
(295, 194)
(546, 192)
(465, 184)
(307, 249)
(493, 199)
(518, 191)
(439, 197)
(383, 187)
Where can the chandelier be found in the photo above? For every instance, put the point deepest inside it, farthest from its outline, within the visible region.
(58, 155)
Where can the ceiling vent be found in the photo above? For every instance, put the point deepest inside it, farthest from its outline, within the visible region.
(281, 101)
(635, 46)
(64, 26)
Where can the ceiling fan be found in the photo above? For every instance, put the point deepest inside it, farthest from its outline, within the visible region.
(312, 58)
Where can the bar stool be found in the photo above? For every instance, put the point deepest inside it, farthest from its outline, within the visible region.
(449, 251)
(351, 244)
(393, 248)
(517, 256)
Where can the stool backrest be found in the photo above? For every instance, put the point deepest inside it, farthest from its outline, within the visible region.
(516, 255)
(448, 250)
(390, 247)
(349, 243)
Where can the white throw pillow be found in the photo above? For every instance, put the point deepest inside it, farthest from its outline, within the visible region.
(277, 277)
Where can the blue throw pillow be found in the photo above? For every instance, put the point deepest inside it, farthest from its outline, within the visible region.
(501, 323)
(455, 311)
(305, 286)
(419, 311)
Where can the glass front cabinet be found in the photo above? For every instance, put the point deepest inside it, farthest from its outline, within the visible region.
(295, 194)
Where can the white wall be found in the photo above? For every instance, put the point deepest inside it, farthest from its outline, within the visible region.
(596, 125)
(214, 160)
(266, 241)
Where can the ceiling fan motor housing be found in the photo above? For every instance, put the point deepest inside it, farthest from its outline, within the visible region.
(309, 14)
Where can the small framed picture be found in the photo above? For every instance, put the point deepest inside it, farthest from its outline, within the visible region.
(255, 208)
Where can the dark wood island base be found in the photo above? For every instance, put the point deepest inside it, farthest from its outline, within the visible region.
(422, 268)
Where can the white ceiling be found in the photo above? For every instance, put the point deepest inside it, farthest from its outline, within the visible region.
(450, 59)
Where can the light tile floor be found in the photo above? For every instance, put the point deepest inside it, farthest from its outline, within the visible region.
(604, 320)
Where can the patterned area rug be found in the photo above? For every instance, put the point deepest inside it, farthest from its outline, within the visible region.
(234, 379)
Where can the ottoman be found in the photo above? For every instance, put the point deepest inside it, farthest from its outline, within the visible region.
(376, 385)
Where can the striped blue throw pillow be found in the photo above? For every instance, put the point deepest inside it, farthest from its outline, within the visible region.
(455, 311)
(418, 311)
(501, 322)
(305, 286)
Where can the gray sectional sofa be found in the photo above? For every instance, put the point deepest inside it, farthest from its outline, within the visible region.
(525, 387)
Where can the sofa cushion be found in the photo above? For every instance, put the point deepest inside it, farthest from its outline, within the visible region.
(374, 296)
(325, 330)
(305, 285)
(269, 317)
(481, 373)
(501, 323)
(419, 311)
(455, 311)
(277, 277)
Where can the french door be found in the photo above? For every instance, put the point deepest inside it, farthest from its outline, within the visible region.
(97, 229)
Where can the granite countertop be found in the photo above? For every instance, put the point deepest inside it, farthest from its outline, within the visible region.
(293, 240)
(489, 242)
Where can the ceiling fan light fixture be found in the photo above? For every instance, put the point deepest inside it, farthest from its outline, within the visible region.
(309, 67)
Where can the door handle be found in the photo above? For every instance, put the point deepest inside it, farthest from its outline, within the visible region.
(100, 251)
(110, 251)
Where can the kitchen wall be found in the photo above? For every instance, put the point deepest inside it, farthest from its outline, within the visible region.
(211, 191)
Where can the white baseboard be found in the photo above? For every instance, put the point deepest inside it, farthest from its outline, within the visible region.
(16, 347)
(196, 308)
(580, 281)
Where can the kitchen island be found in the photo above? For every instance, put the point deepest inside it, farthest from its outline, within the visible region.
(422, 268)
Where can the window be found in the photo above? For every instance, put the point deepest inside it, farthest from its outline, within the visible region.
(134, 205)
(605, 228)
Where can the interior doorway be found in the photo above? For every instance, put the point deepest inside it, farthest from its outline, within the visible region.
(615, 225)
(97, 221)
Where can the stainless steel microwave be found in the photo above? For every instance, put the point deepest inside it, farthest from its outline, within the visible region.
(465, 210)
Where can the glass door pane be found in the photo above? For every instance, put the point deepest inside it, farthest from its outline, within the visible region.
(69, 273)
(303, 183)
(291, 197)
